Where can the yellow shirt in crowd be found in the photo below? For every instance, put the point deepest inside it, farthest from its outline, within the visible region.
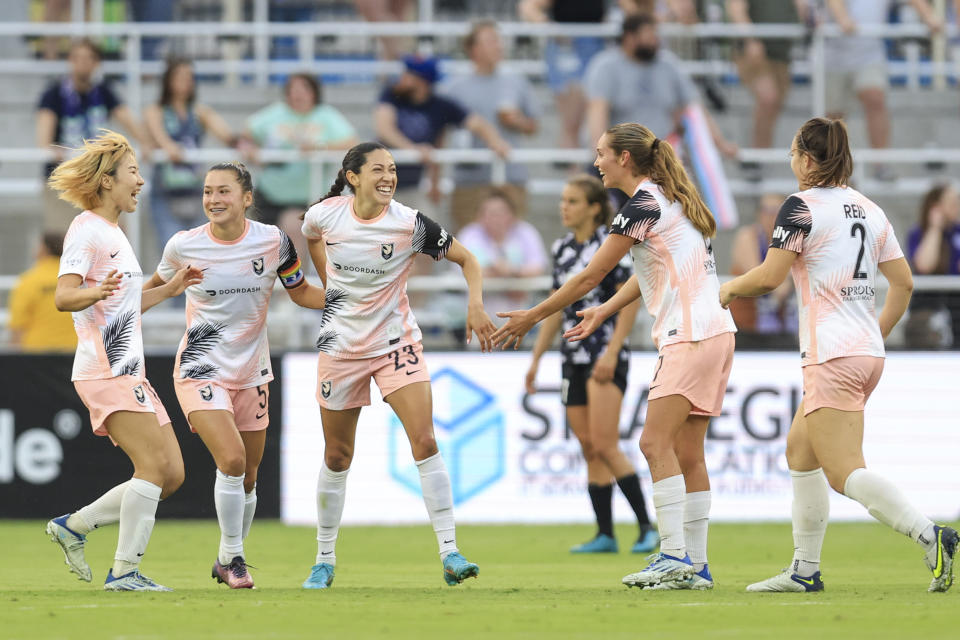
(33, 313)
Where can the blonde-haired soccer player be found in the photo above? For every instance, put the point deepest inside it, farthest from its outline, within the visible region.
(102, 284)
(363, 246)
(834, 239)
(223, 370)
(666, 227)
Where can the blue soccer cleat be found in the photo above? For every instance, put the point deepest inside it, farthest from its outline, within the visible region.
(662, 568)
(456, 569)
(942, 563)
(132, 581)
(647, 542)
(321, 577)
(788, 581)
(72, 544)
(601, 544)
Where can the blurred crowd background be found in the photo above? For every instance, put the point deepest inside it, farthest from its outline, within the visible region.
(492, 105)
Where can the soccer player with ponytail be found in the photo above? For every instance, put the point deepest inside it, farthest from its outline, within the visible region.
(102, 284)
(666, 227)
(223, 371)
(834, 240)
(363, 246)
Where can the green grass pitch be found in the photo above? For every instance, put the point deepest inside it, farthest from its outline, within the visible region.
(389, 585)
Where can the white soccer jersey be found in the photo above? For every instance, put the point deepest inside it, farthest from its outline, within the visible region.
(675, 268)
(841, 236)
(367, 312)
(226, 338)
(109, 340)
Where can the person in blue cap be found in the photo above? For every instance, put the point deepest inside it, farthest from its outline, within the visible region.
(411, 116)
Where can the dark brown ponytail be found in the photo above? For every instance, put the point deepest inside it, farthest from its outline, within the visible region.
(353, 160)
(826, 142)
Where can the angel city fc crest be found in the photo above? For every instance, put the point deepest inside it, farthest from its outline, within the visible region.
(325, 387)
(258, 265)
(206, 393)
(386, 250)
(140, 394)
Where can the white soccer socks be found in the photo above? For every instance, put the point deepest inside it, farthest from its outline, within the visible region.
(696, 517)
(886, 503)
(810, 512)
(137, 512)
(669, 497)
(228, 497)
(438, 498)
(249, 508)
(102, 511)
(331, 489)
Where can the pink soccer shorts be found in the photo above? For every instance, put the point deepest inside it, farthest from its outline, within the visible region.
(123, 393)
(841, 383)
(698, 371)
(249, 406)
(345, 384)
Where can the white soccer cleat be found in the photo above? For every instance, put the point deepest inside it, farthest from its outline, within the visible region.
(132, 581)
(662, 569)
(72, 544)
(788, 581)
(699, 581)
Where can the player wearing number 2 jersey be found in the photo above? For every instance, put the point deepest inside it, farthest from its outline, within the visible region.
(223, 366)
(667, 229)
(363, 247)
(834, 240)
(101, 283)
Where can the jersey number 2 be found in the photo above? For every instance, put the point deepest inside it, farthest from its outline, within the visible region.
(857, 227)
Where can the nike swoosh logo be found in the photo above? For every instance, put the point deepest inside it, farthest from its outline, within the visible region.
(114, 254)
(806, 581)
(410, 373)
(653, 386)
(260, 415)
(325, 553)
(447, 541)
(139, 555)
(330, 244)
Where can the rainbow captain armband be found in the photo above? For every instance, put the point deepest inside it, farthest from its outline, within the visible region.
(292, 276)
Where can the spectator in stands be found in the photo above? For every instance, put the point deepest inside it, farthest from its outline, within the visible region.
(73, 109)
(35, 323)
(301, 121)
(768, 321)
(638, 81)
(411, 116)
(567, 58)
(386, 11)
(933, 248)
(764, 66)
(505, 247)
(151, 47)
(504, 99)
(858, 65)
(177, 124)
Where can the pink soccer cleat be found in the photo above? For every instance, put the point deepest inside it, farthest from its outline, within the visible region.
(234, 574)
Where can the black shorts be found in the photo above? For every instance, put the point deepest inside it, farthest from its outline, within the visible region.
(573, 388)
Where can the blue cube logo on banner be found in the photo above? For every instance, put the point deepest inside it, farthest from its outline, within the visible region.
(470, 433)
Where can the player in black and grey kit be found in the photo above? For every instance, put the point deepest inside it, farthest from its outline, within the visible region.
(594, 369)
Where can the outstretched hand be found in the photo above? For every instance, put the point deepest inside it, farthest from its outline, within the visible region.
(480, 323)
(726, 295)
(592, 318)
(186, 277)
(517, 325)
(109, 284)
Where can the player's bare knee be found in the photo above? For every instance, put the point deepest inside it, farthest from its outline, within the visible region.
(653, 448)
(338, 457)
(423, 446)
(233, 464)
